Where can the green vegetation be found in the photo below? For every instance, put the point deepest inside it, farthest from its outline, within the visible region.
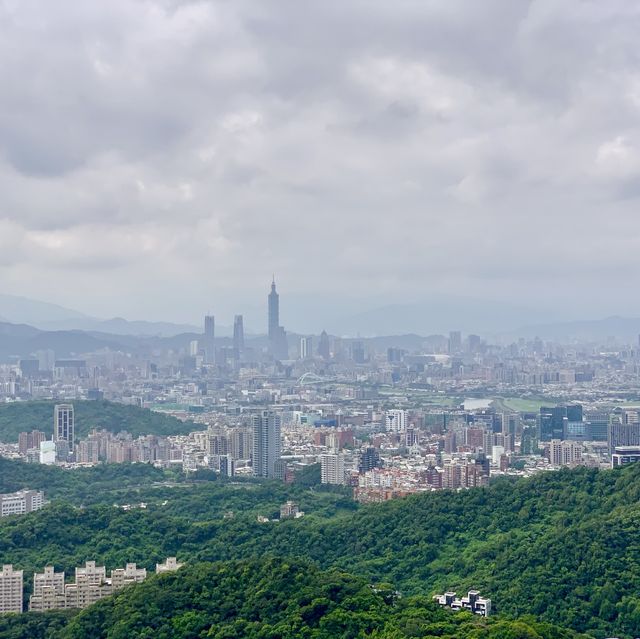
(16, 417)
(562, 546)
(269, 599)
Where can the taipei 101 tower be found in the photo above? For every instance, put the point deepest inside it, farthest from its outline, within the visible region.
(277, 335)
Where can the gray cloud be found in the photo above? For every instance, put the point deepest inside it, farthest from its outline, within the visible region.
(395, 149)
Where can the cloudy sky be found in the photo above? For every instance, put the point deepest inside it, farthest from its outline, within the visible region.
(161, 158)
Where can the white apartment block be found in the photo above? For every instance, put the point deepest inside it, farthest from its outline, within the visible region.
(564, 452)
(24, 501)
(332, 468)
(10, 589)
(396, 421)
(91, 584)
(169, 565)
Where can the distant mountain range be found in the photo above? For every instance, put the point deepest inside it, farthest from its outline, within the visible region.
(437, 316)
(52, 317)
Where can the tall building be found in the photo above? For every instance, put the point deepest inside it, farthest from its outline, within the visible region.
(64, 424)
(238, 336)
(274, 312)
(564, 453)
(455, 342)
(332, 468)
(26, 440)
(209, 339)
(48, 590)
(266, 445)
(277, 335)
(306, 347)
(324, 348)
(10, 589)
(396, 420)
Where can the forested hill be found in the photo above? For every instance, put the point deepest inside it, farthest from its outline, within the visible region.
(16, 417)
(563, 546)
(268, 599)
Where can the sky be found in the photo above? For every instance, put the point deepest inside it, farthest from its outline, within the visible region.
(160, 159)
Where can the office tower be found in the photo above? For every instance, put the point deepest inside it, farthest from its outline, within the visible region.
(10, 589)
(238, 336)
(48, 590)
(63, 424)
(396, 420)
(306, 347)
(455, 342)
(274, 313)
(358, 354)
(266, 445)
(474, 343)
(623, 431)
(193, 347)
(623, 455)
(332, 468)
(324, 349)
(209, 339)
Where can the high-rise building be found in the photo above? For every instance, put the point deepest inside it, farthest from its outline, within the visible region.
(10, 589)
(64, 424)
(266, 445)
(306, 347)
(369, 459)
(209, 339)
(396, 420)
(238, 336)
(30, 440)
(332, 468)
(48, 590)
(274, 313)
(455, 342)
(324, 348)
(564, 453)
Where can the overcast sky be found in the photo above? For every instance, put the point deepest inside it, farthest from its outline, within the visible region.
(162, 158)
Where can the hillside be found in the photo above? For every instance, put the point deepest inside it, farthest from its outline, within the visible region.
(16, 417)
(267, 598)
(562, 546)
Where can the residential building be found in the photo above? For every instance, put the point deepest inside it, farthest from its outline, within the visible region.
(266, 445)
(169, 565)
(10, 589)
(332, 468)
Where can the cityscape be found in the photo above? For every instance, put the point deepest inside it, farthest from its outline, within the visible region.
(317, 319)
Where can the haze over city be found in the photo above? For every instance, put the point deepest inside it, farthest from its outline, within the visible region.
(159, 159)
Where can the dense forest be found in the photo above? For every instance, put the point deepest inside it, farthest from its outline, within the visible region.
(561, 546)
(268, 599)
(16, 417)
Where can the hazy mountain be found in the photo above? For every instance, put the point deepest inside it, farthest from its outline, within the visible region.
(52, 317)
(625, 329)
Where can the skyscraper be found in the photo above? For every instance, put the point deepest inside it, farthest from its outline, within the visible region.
(266, 445)
(10, 589)
(306, 347)
(324, 349)
(277, 335)
(238, 336)
(274, 313)
(209, 339)
(64, 424)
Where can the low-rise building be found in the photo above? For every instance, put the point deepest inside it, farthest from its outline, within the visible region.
(21, 502)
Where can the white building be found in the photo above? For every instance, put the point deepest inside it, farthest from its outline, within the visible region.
(169, 565)
(48, 452)
(564, 452)
(267, 443)
(10, 589)
(332, 468)
(48, 590)
(396, 421)
(24, 501)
